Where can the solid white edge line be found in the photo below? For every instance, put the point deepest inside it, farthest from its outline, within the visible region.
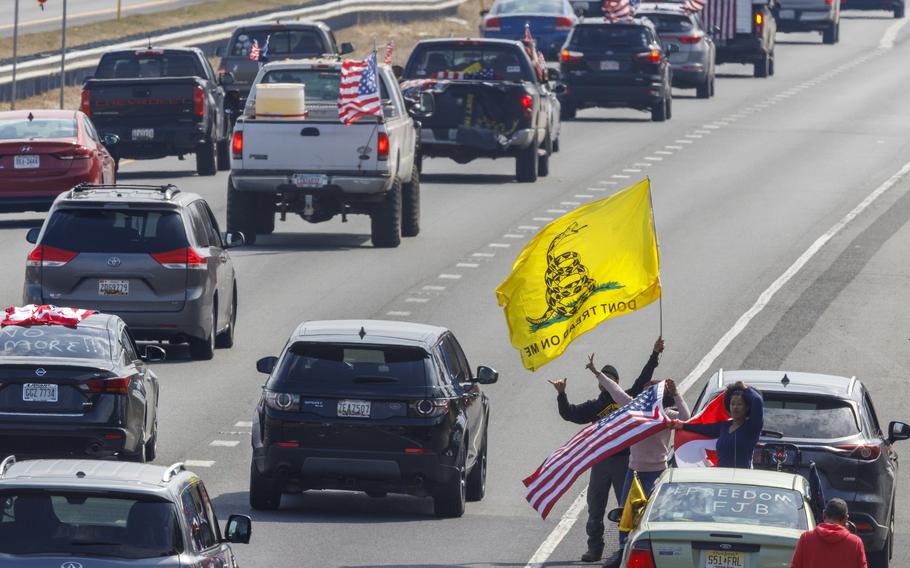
(546, 548)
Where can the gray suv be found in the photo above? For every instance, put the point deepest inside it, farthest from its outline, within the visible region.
(692, 58)
(151, 254)
(103, 514)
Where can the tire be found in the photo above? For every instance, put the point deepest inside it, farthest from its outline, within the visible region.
(703, 91)
(116, 165)
(265, 215)
(204, 349)
(206, 162)
(265, 493)
(567, 112)
(669, 107)
(418, 161)
(410, 205)
(139, 457)
(713, 92)
(543, 162)
(659, 111)
(385, 220)
(771, 65)
(477, 480)
(240, 204)
(899, 12)
(225, 339)
(449, 498)
(829, 35)
(223, 151)
(762, 67)
(526, 163)
(556, 146)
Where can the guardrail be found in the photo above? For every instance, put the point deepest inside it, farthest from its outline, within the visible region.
(39, 75)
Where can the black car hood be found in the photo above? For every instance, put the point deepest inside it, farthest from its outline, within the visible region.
(61, 561)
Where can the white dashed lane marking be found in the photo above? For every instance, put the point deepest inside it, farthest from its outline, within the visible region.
(450, 276)
(501, 245)
(467, 265)
(198, 463)
(243, 424)
(542, 219)
(398, 314)
(483, 254)
(432, 288)
(416, 300)
(224, 443)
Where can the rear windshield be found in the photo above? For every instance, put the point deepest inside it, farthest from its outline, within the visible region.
(96, 230)
(728, 503)
(527, 7)
(37, 128)
(54, 341)
(671, 23)
(281, 43)
(73, 524)
(610, 36)
(468, 62)
(148, 64)
(321, 84)
(810, 417)
(321, 367)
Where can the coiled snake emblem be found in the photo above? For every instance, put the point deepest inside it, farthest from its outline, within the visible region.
(568, 282)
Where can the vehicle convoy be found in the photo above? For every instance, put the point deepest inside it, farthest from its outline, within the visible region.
(747, 38)
(895, 6)
(77, 390)
(151, 254)
(161, 102)
(102, 514)
(810, 16)
(616, 64)
(692, 60)
(548, 21)
(718, 518)
(373, 406)
(829, 421)
(309, 163)
(256, 44)
(490, 103)
(46, 152)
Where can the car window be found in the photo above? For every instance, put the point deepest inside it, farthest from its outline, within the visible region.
(461, 358)
(37, 128)
(809, 417)
(148, 63)
(210, 516)
(90, 130)
(870, 412)
(79, 524)
(469, 61)
(201, 531)
(671, 23)
(201, 220)
(595, 37)
(503, 7)
(211, 224)
(280, 43)
(728, 504)
(83, 342)
(112, 230)
(129, 349)
(321, 84)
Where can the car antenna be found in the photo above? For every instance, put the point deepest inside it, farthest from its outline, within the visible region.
(786, 380)
(150, 41)
(30, 117)
(362, 332)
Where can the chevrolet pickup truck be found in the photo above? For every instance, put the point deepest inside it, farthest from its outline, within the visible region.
(316, 167)
(160, 102)
(749, 37)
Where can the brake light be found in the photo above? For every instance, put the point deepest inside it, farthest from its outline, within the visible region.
(652, 56)
(641, 555)
(86, 106)
(865, 452)
(198, 101)
(382, 146)
(526, 103)
(863, 527)
(566, 55)
(76, 153)
(417, 451)
(689, 40)
(287, 444)
(430, 408)
(118, 385)
(46, 256)
(492, 24)
(182, 258)
(829, 2)
(237, 144)
(759, 21)
(563, 24)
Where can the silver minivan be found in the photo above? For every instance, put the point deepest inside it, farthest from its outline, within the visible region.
(692, 59)
(810, 16)
(152, 255)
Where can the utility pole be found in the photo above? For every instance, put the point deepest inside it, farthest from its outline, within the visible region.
(119, 9)
(63, 57)
(12, 104)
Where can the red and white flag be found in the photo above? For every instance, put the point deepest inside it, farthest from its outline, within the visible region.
(358, 93)
(33, 314)
(389, 49)
(642, 417)
(693, 6)
(615, 10)
(254, 51)
(720, 13)
(697, 450)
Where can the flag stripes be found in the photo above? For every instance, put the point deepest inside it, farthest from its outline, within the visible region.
(721, 13)
(358, 92)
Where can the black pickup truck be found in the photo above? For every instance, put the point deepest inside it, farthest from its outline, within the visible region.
(490, 103)
(161, 102)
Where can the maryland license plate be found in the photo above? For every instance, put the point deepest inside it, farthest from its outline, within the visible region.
(609, 65)
(39, 392)
(143, 134)
(725, 559)
(354, 408)
(26, 162)
(113, 287)
(310, 180)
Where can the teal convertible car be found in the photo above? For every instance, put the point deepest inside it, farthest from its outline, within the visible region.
(720, 518)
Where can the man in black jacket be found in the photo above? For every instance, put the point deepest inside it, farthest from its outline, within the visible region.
(612, 470)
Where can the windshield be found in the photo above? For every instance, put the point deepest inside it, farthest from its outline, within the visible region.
(54, 341)
(823, 418)
(281, 43)
(469, 62)
(505, 7)
(36, 129)
(610, 36)
(96, 230)
(728, 503)
(670, 23)
(148, 64)
(64, 523)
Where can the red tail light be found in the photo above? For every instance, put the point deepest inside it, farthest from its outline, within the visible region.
(118, 385)
(566, 55)
(641, 555)
(865, 452)
(689, 40)
(429, 408)
(417, 451)
(759, 20)
(382, 145)
(492, 24)
(829, 2)
(237, 144)
(77, 153)
(198, 101)
(563, 24)
(287, 444)
(46, 256)
(182, 258)
(86, 106)
(863, 527)
(652, 56)
(526, 103)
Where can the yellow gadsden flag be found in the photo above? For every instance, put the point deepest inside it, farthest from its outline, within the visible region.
(635, 505)
(595, 263)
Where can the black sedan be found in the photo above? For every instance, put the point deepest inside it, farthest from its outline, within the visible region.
(829, 421)
(80, 390)
(372, 406)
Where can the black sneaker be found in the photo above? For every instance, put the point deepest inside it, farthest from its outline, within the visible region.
(613, 560)
(592, 555)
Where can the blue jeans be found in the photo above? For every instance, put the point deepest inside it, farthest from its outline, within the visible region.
(647, 479)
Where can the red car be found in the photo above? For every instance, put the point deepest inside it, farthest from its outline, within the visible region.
(46, 152)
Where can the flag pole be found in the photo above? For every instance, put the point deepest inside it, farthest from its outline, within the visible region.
(660, 300)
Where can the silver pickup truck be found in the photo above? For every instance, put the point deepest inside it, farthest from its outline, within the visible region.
(317, 167)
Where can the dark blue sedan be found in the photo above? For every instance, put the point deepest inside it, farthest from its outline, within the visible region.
(550, 22)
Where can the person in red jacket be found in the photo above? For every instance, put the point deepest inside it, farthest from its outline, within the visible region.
(830, 544)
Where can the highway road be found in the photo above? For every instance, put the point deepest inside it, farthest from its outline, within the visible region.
(743, 185)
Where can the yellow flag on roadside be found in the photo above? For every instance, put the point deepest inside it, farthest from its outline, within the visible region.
(595, 263)
(635, 504)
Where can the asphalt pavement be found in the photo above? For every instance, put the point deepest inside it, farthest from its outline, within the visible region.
(743, 185)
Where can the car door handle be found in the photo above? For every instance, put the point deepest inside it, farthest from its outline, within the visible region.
(309, 131)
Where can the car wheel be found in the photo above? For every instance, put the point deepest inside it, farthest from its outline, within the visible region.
(659, 111)
(477, 479)
(223, 152)
(385, 220)
(543, 160)
(449, 497)
(899, 12)
(265, 492)
(206, 162)
(410, 205)
(556, 146)
(203, 349)
(240, 205)
(567, 112)
(713, 92)
(526, 163)
(139, 456)
(225, 339)
(761, 67)
(771, 64)
(703, 91)
(265, 215)
(669, 107)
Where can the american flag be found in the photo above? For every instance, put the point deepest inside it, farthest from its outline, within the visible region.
(358, 93)
(693, 6)
(389, 48)
(615, 10)
(33, 314)
(254, 51)
(642, 417)
(721, 13)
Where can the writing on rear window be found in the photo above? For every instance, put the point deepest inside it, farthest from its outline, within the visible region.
(53, 341)
(729, 503)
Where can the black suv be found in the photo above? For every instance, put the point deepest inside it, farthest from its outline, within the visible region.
(373, 406)
(830, 421)
(615, 64)
(80, 390)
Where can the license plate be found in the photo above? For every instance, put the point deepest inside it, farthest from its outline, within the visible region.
(114, 287)
(26, 162)
(725, 559)
(609, 65)
(354, 408)
(39, 392)
(310, 180)
(143, 134)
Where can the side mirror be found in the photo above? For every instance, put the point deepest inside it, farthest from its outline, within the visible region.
(233, 239)
(239, 529)
(398, 70)
(560, 88)
(32, 234)
(154, 353)
(672, 48)
(226, 79)
(898, 431)
(483, 13)
(615, 515)
(851, 527)
(110, 139)
(266, 365)
(347, 47)
(486, 375)
(715, 29)
(221, 51)
(553, 74)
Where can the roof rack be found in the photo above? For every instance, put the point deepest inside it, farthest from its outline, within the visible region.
(172, 471)
(720, 378)
(168, 190)
(849, 388)
(7, 463)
